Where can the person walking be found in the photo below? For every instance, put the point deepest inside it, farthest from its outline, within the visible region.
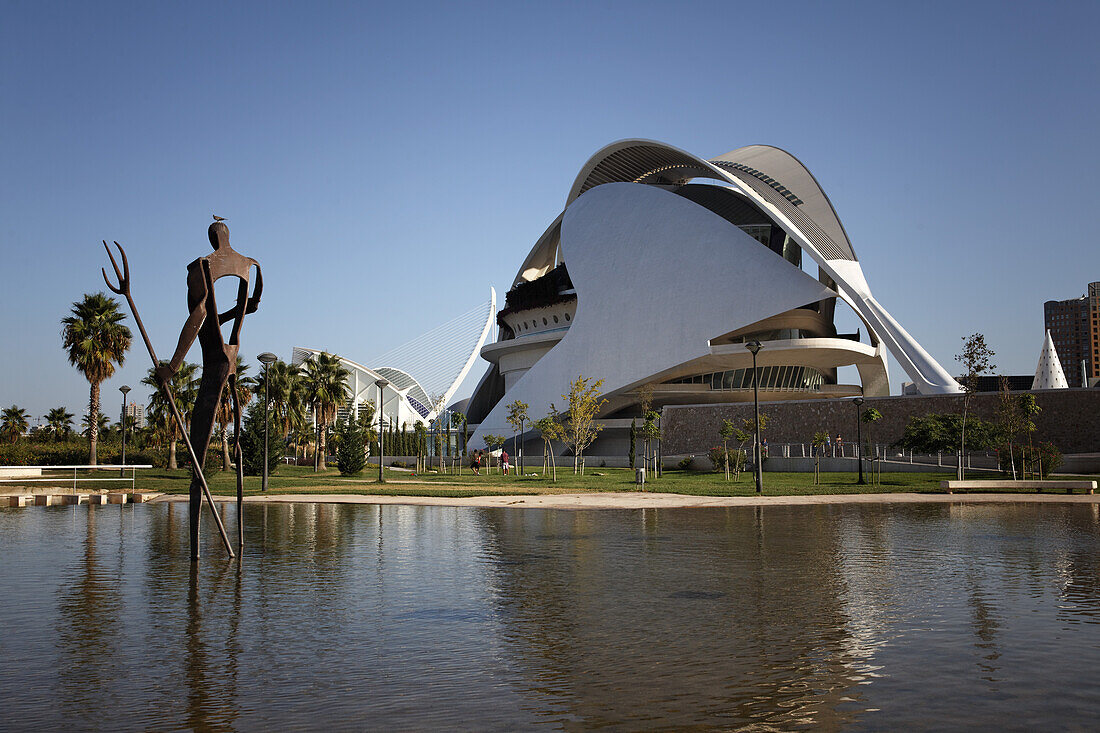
(504, 461)
(840, 445)
(475, 463)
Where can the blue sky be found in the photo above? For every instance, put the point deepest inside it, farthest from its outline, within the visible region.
(388, 163)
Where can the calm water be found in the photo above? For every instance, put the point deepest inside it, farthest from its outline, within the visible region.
(430, 618)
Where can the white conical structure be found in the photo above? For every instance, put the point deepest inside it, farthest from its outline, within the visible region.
(1049, 374)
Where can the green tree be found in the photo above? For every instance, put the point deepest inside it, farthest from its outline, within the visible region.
(96, 340)
(100, 424)
(351, 451)
(59, 422)
(225, 408)
(458, 421)
(13, 423)
(936, 433)
(517, 418)
(726, 433)
(869, 417)
(977, 359)
(492, 442)
(420, 434)
(325, 384)
(583, 404)
(184, 386)
(633, 440)
(817, 444)
(252, 443)
(549, 429)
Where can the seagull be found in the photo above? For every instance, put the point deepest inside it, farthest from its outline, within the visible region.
(218, 218)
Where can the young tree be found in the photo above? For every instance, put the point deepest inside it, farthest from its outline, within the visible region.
(869, 417)
(580, 429)
(492, 442)
(13, 423)
(818, 445)
(96, 340)
(458, 420)
(517, 417)
(977, 359)
(549, 429)
(726, 433)
(420, 438)
(1011, 422)
(650, 431)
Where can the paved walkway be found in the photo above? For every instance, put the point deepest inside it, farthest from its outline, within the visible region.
(639, 500)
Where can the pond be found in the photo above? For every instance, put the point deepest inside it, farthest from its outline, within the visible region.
(947, 616)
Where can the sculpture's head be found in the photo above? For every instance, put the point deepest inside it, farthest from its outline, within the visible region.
(219, 235)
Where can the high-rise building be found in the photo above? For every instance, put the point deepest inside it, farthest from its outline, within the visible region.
(137, 412)
(1074, 326)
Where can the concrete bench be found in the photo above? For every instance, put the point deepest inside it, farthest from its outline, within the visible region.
(1069, 486)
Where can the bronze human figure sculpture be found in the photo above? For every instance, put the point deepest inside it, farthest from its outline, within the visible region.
(219, 359)
(219, 356)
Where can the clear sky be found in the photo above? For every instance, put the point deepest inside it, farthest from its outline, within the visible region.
(388, 163)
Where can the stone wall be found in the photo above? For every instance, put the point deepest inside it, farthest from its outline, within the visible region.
(1070, 419)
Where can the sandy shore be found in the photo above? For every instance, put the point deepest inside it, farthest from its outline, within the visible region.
(638, 500)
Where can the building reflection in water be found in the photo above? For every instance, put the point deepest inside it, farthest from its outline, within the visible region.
(437, 618)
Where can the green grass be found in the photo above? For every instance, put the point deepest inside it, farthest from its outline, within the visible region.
(301, 479)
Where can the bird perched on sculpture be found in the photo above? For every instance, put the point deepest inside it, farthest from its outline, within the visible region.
(218, 218)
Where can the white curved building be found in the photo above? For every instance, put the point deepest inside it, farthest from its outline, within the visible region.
(440, 360)
(663, 266)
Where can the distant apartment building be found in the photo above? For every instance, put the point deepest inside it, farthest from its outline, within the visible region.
(1074, 326)
(137, 412)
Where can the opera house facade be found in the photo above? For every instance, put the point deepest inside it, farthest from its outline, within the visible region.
(663, 266)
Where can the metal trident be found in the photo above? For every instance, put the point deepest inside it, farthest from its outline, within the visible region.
(123, 289)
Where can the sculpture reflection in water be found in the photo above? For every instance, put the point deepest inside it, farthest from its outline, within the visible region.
(219, 360)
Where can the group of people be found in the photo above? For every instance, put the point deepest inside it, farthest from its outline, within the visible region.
(476, 458)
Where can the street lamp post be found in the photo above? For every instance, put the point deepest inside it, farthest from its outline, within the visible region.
(755, 346)
(381, 384)
(858, 401)
(124, 389)
(267, 359)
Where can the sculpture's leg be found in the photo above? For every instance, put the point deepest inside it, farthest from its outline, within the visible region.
(237, 460)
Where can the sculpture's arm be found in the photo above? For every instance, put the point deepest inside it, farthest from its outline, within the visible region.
(198, 288)
(254, 301)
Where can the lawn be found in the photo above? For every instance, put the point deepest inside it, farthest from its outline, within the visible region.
(302, 479)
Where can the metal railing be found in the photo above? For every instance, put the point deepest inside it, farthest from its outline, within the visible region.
(76, 478)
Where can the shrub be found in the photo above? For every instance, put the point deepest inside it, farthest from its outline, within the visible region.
(685, 463)
(717, 458)
(1044, 457)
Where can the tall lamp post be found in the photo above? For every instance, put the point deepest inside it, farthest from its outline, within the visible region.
(755, 346)
(381, 384)
(124, 389)
(858, 402)
(267, 359)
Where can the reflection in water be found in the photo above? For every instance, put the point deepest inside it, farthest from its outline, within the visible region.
(349, 616)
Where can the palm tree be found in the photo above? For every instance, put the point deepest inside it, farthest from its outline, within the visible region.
(225, 407)
(185, 389)
(13, 422)
(285, 389)
(96, 340)
(101, 425)
(326, 388)
(59, 422)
